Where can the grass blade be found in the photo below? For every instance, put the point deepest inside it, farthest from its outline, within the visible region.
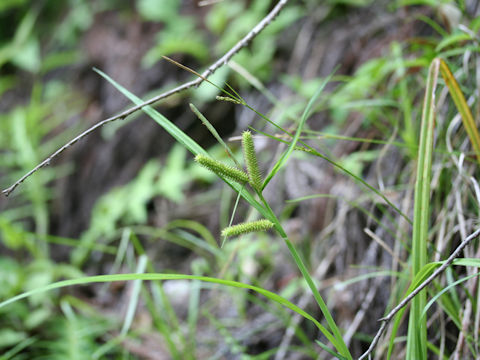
(214, 132)
(172, 129)
(445, 289)
(152, 277)
(462, 107)
(132, 305)
(419, 278)
(180, 136)
(417, 326)
(357, 179)
(296, 137)
(338, 339)
(307, 148)
(333, 353)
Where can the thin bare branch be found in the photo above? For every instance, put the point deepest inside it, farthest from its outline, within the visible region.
(385, 320)
(214, 67)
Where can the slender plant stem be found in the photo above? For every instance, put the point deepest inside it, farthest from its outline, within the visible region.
(341, 346)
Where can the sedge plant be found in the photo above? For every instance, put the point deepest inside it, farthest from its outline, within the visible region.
(236, 179)
(270, 219)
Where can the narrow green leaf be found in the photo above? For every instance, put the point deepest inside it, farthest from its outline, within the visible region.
(134, 296)
(184, 139)
(312, 151)
(467, 262)
(419, 278)
(462, 106)
(444, 290)
(276, 168)
(338, 339)
(172, 129)
(214, 132)
(417, 327)
(453, 39)
(307, 148)
(152, 277)
(330, 351)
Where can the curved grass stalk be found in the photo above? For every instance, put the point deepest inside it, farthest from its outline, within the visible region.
(157, 277)
(338, 343)
(417, 326)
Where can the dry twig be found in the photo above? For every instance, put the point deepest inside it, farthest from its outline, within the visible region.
(385, 320)
(214, 67)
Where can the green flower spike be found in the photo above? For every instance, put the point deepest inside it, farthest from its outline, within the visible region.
(228, 99)
(221, 169)
(251, 161)
(248, 227)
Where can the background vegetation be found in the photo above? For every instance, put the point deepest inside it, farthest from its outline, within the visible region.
(333, 93)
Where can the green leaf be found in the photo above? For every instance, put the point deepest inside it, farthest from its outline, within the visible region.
(28, 56)
(356, 161)
(10, 337)
(462, 106)
(180, 36)
(22, 36)
(185, 140)
(333, 353)
(283, 159)
(417, 327)
(9, 4)
(174, 175)
(152, 277)
(444, 290)
(154, 10)
(453, 39)
(419, 278)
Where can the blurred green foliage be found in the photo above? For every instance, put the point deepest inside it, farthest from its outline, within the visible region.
(179, 35)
